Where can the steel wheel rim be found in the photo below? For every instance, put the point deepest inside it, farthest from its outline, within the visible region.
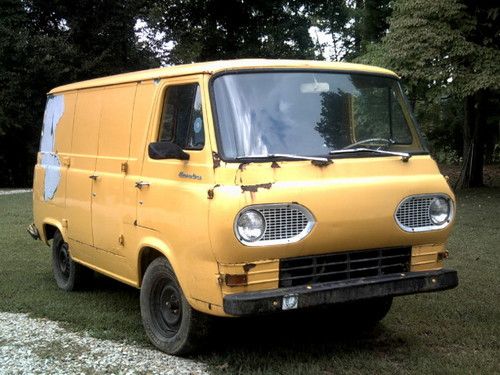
(63, 260)
(166, 305)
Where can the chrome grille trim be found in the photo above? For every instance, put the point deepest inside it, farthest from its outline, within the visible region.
(285, 223)
(412, 214)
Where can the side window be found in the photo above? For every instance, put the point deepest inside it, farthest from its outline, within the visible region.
(182, 117)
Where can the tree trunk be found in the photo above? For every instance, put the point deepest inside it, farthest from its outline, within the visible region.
(474, 143)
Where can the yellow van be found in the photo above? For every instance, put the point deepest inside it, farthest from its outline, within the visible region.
(235, 188)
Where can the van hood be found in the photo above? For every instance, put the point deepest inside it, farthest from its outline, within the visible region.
(353, 202)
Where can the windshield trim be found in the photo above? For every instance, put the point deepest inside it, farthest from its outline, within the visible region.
(215, 118)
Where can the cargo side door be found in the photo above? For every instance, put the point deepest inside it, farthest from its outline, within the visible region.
(83, 162)
(111, 167)
(143, 105)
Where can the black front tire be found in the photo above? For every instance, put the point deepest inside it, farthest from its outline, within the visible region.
(68, 274)
(171, 324)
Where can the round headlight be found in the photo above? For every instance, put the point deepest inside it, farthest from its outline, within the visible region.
(439, 210)
(250, 225)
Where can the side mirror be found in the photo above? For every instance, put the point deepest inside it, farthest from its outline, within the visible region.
(166, 150)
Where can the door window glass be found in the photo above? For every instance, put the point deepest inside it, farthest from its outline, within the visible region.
(182, 119)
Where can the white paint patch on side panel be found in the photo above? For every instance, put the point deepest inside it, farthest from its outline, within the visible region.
(50, 160)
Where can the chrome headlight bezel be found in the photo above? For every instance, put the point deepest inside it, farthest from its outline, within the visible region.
(433, 217)
(237, 225)
(430, 225)
(264, 209)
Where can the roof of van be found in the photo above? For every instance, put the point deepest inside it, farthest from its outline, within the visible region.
(220, 66)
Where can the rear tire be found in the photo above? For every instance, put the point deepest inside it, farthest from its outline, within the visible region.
(171, 324)
(68, 274)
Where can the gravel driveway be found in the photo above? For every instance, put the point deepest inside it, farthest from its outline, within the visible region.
(40, 346)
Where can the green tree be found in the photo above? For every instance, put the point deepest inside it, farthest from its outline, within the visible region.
(47, 43)
(447, 48)
(215, 29)
(353, 24)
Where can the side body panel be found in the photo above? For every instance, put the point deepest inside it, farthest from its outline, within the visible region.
(173, 208)
(111, 167)
(83, 161)
(124, 123)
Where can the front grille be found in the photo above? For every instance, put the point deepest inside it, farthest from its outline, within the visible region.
(413, 213)
(283, 222)
(343, 266)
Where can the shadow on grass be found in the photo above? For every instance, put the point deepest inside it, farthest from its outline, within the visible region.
(258, 342)
(308, 342)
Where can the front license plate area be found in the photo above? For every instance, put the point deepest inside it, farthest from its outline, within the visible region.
(290, 302)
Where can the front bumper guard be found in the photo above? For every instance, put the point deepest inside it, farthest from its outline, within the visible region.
(252, 303)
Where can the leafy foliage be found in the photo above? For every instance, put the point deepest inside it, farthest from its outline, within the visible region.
(353, 24)
(44, 44)
(214, 29)
(440, 48)
(446, 51)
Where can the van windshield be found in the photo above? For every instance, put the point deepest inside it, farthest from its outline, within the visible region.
(311, 114)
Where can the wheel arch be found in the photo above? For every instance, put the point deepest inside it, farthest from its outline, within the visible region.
(49, 229)
(150, 249)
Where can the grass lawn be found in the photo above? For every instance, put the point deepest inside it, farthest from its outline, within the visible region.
(455, 331)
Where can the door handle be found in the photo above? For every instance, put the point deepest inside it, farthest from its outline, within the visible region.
(141, 184)
(93, 177)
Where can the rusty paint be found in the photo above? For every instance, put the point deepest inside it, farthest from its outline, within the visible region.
(443, 255)
(254, 188)
(321, 164)
(236, 279)
(274, 164)
(248, 266)
(220, 279)
(211, 192)
(216, 159)
(242, 166)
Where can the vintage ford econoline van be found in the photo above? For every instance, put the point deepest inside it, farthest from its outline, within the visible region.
(241, 187)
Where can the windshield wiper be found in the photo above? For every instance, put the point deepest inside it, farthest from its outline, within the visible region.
(388, 142)
(316, 160)
(404, 155)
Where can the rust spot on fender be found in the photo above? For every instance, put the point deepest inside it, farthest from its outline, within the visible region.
(216, 159)
(211, 193)
(254, 188)
(248, 266)
(321, 164)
